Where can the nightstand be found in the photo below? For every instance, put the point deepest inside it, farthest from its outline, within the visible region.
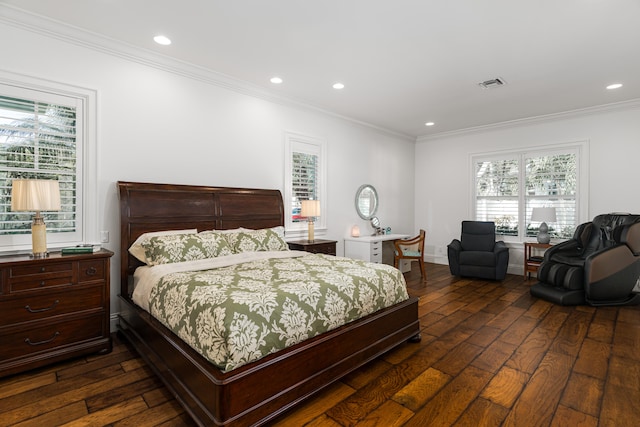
(317, 246)
(533, 255)
(53, 308)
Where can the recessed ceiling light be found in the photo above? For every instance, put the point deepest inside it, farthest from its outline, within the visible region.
(429, 124)
(276, 80)
(165, 41)
(614, 86)
(338, 86)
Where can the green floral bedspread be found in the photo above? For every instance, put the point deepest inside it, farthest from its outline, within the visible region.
(237, 314)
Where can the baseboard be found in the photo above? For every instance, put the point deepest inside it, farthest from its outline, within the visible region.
(113, 322)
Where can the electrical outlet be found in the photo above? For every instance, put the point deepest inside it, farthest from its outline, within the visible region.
(104, 237)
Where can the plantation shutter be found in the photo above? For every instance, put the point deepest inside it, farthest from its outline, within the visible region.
(38, 139)
(304, 180)
(551, 181)
(508, 187)
(497, 191)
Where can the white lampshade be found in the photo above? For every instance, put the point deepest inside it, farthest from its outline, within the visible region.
(310, 208)
(34, 195)
(543, 214)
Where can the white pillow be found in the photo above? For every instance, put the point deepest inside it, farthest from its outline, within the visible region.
(137, 250)
(229, 231)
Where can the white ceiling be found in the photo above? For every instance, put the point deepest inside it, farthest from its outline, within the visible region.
(403, 62)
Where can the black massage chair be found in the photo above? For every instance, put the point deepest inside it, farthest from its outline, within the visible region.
(599, 266)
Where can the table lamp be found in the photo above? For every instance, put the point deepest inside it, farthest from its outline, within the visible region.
(310, 210)
(543, 215)
(36, 195)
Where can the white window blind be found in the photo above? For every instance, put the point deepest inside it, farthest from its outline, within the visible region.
(551, 181)
(497, 193)
(508, 186)
(39, 138)
(304, 179)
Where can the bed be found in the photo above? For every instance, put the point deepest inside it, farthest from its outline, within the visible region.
(260, 390)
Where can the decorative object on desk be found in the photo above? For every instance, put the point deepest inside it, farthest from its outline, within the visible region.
(366, 201)
(543, 215)
(36, 195)
(388, 230)
(355, 231)
(81, 249)
(310, 210)
(375, 223)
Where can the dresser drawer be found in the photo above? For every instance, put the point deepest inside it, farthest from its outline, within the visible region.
(324, 248)
(29, 272)
(39, 306)
(23, 278)
(376, 252)
(318, 246)
(48, 336)
(91, 270)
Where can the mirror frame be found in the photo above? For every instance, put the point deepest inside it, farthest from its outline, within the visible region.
(373, 211)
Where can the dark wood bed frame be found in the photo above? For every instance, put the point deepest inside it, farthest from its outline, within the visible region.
(258, 392)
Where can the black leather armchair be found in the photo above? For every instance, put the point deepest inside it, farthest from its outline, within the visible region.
(599, 265)
(477, 254)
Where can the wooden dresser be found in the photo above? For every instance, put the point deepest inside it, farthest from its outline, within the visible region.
(52, 308)
(317, 246)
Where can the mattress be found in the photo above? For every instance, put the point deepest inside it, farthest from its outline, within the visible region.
(239, 308)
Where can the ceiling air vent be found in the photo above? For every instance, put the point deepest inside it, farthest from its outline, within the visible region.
(488, 84)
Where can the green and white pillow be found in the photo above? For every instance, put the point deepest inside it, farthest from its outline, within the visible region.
(137, 250)
(267, 239)
(185, 247)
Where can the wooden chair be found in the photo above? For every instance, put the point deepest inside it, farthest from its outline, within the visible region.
(412, 250)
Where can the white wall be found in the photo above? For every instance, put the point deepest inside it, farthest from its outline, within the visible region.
(443, 171)
(159, 126)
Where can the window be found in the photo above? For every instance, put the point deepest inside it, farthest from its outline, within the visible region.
(508, 186)
(305, 174)
(42, 136)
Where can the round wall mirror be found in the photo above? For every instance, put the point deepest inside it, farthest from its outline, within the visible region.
(366, 201)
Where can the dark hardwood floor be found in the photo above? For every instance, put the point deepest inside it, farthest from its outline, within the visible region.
(490, 355)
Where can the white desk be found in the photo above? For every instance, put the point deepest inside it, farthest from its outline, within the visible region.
(372, 248)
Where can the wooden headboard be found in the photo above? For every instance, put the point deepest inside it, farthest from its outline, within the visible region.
(146, 207)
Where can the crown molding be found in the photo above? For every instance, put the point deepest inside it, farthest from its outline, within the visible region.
(598, 109)
(19, 18)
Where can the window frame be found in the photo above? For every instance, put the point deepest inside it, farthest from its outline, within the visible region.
(579, 148)
(22, 86)
(301, 143)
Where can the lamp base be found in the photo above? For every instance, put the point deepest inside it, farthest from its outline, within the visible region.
(38, 237)
(543, 234)
(310, 231)
(37, 255)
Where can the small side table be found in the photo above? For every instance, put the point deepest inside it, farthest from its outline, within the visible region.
(533, 255)
(317, 246)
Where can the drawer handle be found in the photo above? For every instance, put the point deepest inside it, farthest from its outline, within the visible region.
(91, 271)
(40, 310)
(28, 341)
